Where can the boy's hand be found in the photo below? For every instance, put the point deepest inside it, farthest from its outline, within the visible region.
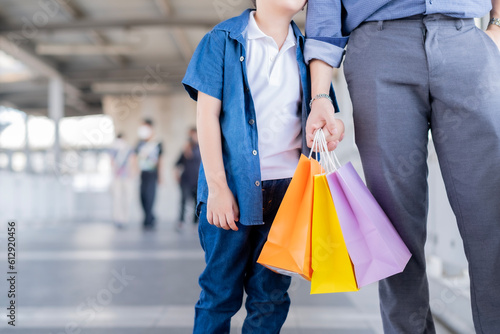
(222, 209)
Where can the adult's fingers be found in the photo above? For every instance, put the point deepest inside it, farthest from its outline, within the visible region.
(333, 145)
(311, 128)
(329, 137)
(331, 124)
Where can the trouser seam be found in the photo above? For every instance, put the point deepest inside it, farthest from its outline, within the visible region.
(460, 222)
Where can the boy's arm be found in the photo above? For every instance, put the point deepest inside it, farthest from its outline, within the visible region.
(222, 209)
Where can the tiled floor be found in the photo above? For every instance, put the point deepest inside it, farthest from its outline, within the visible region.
(94, 279)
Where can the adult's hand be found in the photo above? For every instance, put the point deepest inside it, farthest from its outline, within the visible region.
(322, 113)
(322, 116)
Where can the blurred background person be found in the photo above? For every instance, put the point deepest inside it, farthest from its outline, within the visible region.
(121, 162)
(187, 168)
(149, 161)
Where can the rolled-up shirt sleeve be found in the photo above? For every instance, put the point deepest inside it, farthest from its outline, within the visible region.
(324, 39)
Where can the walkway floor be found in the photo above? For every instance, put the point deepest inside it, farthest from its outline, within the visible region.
(94, 279)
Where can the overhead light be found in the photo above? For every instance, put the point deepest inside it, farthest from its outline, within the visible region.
(12, 70)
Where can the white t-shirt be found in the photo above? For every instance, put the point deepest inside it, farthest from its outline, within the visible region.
(274, 79)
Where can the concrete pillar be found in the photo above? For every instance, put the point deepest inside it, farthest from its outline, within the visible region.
(27, 149)
(56, 112)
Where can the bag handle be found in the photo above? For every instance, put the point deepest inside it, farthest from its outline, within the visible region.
(328, 160)
(314, 146)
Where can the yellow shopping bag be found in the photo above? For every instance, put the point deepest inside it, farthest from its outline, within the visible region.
(332, 267)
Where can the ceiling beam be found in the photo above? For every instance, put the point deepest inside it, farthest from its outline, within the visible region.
(160, 73)
(87, 24)
(84, 49)
(165, 7)
(179, 36)
(74, 12)
(41, 66)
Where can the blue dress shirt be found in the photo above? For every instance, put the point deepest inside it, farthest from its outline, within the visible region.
(329, 22)
(218, 69)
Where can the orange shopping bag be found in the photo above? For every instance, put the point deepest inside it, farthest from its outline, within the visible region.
(288, 247)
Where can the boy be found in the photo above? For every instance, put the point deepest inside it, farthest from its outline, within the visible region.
(248, 70)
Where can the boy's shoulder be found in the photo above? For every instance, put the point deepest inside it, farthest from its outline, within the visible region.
(235, 25)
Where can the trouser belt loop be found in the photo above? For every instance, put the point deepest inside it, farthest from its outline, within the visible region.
(380, 25)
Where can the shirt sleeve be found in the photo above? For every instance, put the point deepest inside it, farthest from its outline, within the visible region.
(206, 68)
(324, 39)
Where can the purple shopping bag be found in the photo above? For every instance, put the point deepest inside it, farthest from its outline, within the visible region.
(375, 248)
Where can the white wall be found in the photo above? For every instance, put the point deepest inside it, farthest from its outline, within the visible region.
(173, 116)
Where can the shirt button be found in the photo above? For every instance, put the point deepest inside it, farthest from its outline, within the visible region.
(251, 122)
(257, 183)
(254, 152)
(272, 58)
(242, 58)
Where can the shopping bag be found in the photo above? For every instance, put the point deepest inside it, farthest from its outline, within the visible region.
(288, 247)
(332, 267)
(373, 244)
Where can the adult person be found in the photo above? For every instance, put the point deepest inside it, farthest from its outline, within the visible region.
(121, 157)
(186, 172)
(411, 67)
(149, 156)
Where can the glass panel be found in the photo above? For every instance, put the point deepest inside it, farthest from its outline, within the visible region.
(95, 131)
(12, 128)
(18, 162)
(4, 161)
(38, 162)
(41, 132)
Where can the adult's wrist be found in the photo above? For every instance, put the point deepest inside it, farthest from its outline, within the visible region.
(321, 104)
(493, 28)
(323, 96)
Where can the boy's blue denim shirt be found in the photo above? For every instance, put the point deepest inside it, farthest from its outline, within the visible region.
(218, 69)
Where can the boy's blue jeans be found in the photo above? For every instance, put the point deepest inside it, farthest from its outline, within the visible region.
(231, 268)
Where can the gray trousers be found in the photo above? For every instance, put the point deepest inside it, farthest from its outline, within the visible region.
(407, 77)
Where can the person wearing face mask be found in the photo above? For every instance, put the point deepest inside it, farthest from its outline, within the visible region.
(149, 152)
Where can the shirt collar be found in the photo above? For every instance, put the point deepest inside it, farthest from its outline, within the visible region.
(237, 25)
(254, 32)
